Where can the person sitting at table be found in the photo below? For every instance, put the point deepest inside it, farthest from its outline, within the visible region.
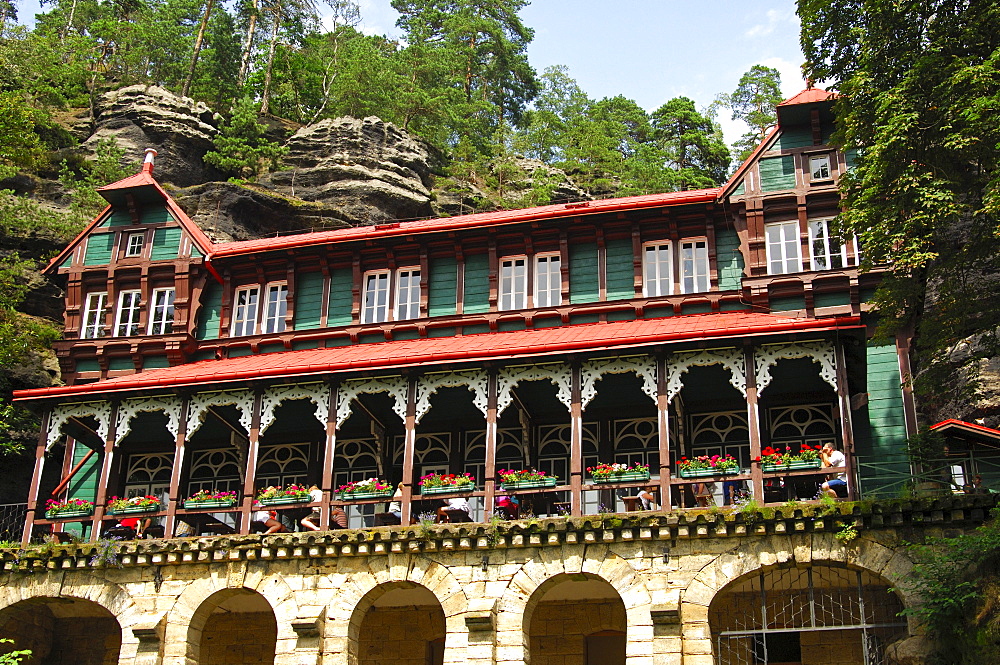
(703, 494)
(837, 486)
(508, 506)
(311, 521)
(268, 521)
(647, 500)
(455, 509)
(338, 518)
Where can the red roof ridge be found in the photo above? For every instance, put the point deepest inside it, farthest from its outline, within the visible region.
(809, 96)
(306, 364)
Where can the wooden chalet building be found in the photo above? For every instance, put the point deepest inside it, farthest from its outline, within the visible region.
(632, 330)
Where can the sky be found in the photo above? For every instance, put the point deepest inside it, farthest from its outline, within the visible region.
(647, 50)
(653, 50)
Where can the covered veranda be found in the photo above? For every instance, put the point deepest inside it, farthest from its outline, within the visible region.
(641, 393)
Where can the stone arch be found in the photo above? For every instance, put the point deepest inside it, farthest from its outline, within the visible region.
(62, 629)
(272, 588)
(355, 582)
(865, 555)
(235, 624)
(529, 584)
(395, 618)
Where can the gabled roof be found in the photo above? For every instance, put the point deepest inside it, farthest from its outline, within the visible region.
(144, 188)
(315, 364)
(463, 222)
(964, 430)
(807, 96)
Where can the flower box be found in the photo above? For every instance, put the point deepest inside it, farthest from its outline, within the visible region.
(708, 473)
(69, 514)
(447, 489)
(284, 500)
(624, 477)
(133, 510)
(795, 465)
(509, 485)
(379, 494)
(202, 505)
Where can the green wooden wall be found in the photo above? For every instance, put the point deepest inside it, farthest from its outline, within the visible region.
(83, 485)
(99, 246)
(308, 300)
(729, 259)
(885, 400)
(620, 272)
(583, 273)
(442, 287)
(341, 297)
(117, 218)
(211, 312)
(777, 173)
(166, 243)
(476, 296)
(795, 137)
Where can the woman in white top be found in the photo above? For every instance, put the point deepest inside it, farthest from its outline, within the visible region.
(311, 521)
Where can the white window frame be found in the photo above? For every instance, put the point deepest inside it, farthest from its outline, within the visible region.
(128, 313)
(407, 292)
(95, 308)
(161, 314)
(657, 268)
(820, 161)
(785, 255)
(272, 314)
(820, 239)
(513, 283)
(695, 258)
(548, 280)
(245, 314)
(134, 244)
(375, 283)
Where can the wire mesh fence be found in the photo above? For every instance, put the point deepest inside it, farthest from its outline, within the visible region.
(12, 516)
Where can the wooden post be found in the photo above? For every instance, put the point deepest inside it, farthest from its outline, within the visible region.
(663, 430)
(36, 479)
(576, 446)
(409, 450)
(102, 485)
(491, 446)
(329, 455)
(846, 426)
(253, 448)
(753, 420)
(175, 497)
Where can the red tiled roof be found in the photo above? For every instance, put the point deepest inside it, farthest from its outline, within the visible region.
(314, 363)
(952, 425)
(465, 221)
(809, 96)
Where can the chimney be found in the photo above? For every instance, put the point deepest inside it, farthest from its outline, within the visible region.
(147, 163)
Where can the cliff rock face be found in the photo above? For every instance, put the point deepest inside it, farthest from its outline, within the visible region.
(180, 130)
(228, 211)
(369, 170)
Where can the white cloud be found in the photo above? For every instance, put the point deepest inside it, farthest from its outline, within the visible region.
(774, 20)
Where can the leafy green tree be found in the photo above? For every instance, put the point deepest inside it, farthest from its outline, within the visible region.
(240, 146)
(106, 167)
(20, 144)
(920, 88)
(13, 657)
(560, 103)
(755, 102)
(696, 154)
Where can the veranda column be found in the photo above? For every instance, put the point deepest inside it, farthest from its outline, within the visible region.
(663, 430)
(175, 498)
(36, 478)
(846, 425)
(576, 445)
(753, 421)
(409, 449)
(102, 485)
(253, 449)
(329, 455)
(491, 446)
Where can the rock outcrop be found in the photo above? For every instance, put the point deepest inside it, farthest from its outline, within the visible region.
(369, 170)
(228, 211)
(180, 130)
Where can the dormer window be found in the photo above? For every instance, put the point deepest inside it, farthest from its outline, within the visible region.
(819, 168)
(93, 315)
(783, 248)
(134, 244)
(161, 317)
(127, 318)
